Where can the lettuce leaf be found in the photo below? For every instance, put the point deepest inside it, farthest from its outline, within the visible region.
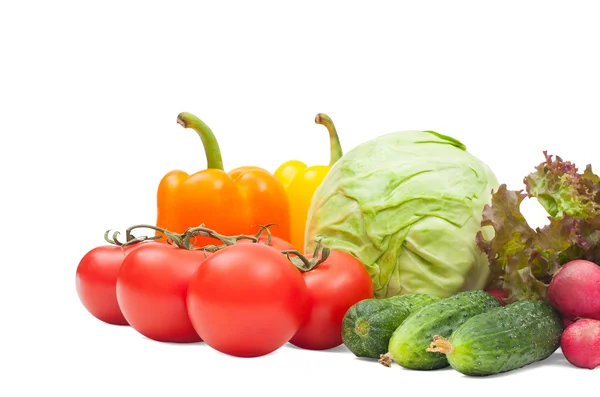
(523, 260)
(561, 189)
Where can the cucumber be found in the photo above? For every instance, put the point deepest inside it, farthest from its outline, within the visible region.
(369, 324)
(503, 339)
(410, 340)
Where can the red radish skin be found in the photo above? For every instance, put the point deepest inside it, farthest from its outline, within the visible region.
(499, 293)
(580, 343)
(575, 290)
(567, 321)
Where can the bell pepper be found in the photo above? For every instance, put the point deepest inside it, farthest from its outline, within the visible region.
(300, 182)
(232, 203)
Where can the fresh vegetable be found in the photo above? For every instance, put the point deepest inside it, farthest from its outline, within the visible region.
(152, 286)
(523, 260)
(265, 198)
(369, 324)
(286, 172)
(96, 277)
(334, 285)
(229, 202)
(247, 300)
(301, 181)
(500, 294)
(408, 206)
(96, 282)
(580, 343)
(410, 340)
(575, 290)
(502, 339)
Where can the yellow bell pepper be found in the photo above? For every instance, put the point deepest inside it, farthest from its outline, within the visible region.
(300, 182)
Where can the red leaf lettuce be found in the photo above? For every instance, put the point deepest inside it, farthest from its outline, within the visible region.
(523, 260)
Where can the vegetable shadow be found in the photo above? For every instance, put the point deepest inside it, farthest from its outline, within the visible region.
(557, 359)
(183, 344)
(400, 367)
(203, 345)
(341, 349)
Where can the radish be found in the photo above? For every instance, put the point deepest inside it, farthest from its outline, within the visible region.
(567, 321)
(575, 290)
(499, 294)
(580, 343)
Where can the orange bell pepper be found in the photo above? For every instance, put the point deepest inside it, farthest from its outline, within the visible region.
(301, 181)
(230, 203)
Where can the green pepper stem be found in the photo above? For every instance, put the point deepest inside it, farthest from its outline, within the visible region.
(334, 141)
(211, 146)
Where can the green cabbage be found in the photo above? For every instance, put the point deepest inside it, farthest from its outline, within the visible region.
(408, 205)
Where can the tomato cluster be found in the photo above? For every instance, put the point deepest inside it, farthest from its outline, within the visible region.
(246, 298)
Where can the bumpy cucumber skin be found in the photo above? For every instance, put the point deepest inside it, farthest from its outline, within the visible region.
(377, 319)
(409, 342)
(504, 339)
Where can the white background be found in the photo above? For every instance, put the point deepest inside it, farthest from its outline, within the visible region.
(89, 94)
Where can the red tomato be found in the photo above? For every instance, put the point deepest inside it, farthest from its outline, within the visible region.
(247, 300)
(333, 286)
(152, 288)
(96, 282)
